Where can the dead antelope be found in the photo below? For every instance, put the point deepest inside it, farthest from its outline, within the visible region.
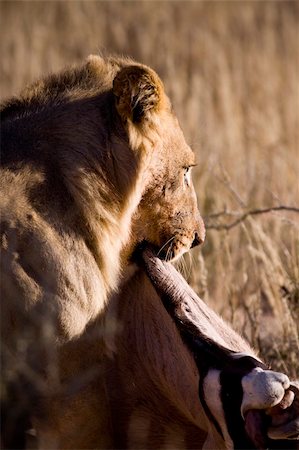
(176, 377)
(235, 386)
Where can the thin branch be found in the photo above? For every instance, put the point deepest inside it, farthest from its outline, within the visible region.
(225, 212)
(226, 181)
(243, 216)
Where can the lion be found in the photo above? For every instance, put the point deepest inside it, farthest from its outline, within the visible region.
(93, 163)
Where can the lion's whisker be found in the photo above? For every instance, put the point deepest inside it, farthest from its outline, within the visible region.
(180, 265)
(186, 269)
(190, 264)
(168, 253)
(163, 246)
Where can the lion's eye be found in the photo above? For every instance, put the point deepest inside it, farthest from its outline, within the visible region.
(187, 175)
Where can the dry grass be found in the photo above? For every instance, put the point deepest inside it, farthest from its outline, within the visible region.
(232, 70)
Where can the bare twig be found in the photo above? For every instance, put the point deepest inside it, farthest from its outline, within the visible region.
(225, 179)
(243, 216)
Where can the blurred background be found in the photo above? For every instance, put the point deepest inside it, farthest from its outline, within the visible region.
(231, 70)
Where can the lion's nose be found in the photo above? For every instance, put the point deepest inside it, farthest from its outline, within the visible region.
(197, 240)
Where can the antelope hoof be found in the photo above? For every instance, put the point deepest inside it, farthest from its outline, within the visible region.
(263, 389)
(285, 416)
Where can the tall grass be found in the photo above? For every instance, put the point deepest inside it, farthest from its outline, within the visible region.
(232, 72)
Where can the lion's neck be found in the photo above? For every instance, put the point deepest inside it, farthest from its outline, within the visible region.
(106, 202)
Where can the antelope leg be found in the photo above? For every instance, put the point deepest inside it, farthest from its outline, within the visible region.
(274, 398)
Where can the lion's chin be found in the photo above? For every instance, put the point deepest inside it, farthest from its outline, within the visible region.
(173, 252)
(170, 253)
(177, 254)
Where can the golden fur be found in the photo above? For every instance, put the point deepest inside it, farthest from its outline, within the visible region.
(93, 163)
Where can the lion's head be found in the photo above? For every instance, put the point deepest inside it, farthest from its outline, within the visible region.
(167, 215)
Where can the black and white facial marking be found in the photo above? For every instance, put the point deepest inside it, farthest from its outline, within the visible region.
(241, 385)
(221, 394)
(232, 397)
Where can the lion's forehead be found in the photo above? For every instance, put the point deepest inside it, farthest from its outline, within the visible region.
(175, 148)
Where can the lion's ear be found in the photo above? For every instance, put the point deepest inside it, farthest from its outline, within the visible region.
(139, 92)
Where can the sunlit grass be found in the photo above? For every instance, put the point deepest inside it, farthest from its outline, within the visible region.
(231, 70)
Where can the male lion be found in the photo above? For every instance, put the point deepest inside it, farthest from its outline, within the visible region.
(93, 163)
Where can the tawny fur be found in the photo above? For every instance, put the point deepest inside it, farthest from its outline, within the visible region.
(93, 162)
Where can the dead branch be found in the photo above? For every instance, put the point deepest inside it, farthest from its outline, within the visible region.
(242, 216)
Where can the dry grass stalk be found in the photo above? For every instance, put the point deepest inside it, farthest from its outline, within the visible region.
(230, 69)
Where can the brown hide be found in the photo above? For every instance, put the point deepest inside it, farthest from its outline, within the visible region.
(152, 380)
(145, 394)
(147, 387)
